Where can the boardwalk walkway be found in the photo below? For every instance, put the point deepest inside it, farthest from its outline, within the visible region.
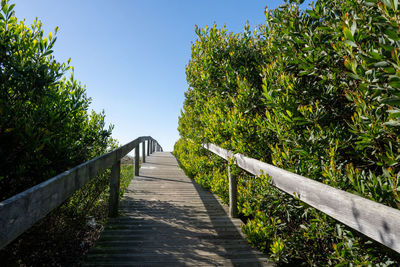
(168, 220)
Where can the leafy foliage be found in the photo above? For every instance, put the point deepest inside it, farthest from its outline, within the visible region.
(64, 236)
(45, 127)
(315, 92)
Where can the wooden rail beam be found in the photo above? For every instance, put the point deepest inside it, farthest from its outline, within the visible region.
(20, 212)
(377, 221)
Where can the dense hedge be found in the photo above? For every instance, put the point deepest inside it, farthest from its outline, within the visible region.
(45, 126)
(45, 129)
(315, 92)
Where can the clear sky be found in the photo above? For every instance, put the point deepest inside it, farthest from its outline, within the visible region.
(131, 54)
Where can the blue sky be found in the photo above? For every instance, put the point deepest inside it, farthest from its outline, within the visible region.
(131, 55)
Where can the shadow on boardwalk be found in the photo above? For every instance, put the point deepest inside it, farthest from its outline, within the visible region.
(171, 221)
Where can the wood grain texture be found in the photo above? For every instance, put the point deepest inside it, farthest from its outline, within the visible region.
(169, 220)
(377, 221)
(20, 212)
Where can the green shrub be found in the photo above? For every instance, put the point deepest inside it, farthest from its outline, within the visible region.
(64, 236)
(315, 92)
(45, 127)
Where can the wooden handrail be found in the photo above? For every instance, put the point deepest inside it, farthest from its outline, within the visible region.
(377, 221)
(18, 213)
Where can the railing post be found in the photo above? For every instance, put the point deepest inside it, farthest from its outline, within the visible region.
(137, 160)
(144, 152)
(233, 211)
(150, 146)
(114, 189)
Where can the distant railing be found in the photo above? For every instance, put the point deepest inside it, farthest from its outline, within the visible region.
(20, 212)
(377, 221)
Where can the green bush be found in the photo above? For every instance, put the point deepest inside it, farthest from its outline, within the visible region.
(315, 92)
(64, 236)
(45, 126)
(45, 129)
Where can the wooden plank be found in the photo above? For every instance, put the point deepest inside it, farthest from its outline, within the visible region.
(170, 220)
(20, 212)
(114, 189)
(377, 221)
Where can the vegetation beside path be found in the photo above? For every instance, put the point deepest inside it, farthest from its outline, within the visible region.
(315, 92)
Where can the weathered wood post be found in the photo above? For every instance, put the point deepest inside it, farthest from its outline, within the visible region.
(148, 147)
(137, 160)
(114, 189)
(151, 146)
(143, 151)
(233, 211)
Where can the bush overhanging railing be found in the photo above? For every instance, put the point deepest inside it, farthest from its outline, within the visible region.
(377, 221)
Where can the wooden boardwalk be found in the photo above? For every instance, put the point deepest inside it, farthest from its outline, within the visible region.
(168, 220)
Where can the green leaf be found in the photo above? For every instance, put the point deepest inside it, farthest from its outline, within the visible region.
(351, 43)
(4, 8)
(391, 100)
(388, 48)
(375, 55)
(387, 3)
(369, 3)
(390, 70)
(393, 113)
(381, 64)
(348, 34)
(312, 14)
(48, 52)
(10, 8)
(392, 123)
(353, 28)
(395, 83)
(354, 76)
(304, 72)
(392, 35)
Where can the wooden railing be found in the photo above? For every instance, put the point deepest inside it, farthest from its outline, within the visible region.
(20, 212)
(377, 221)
